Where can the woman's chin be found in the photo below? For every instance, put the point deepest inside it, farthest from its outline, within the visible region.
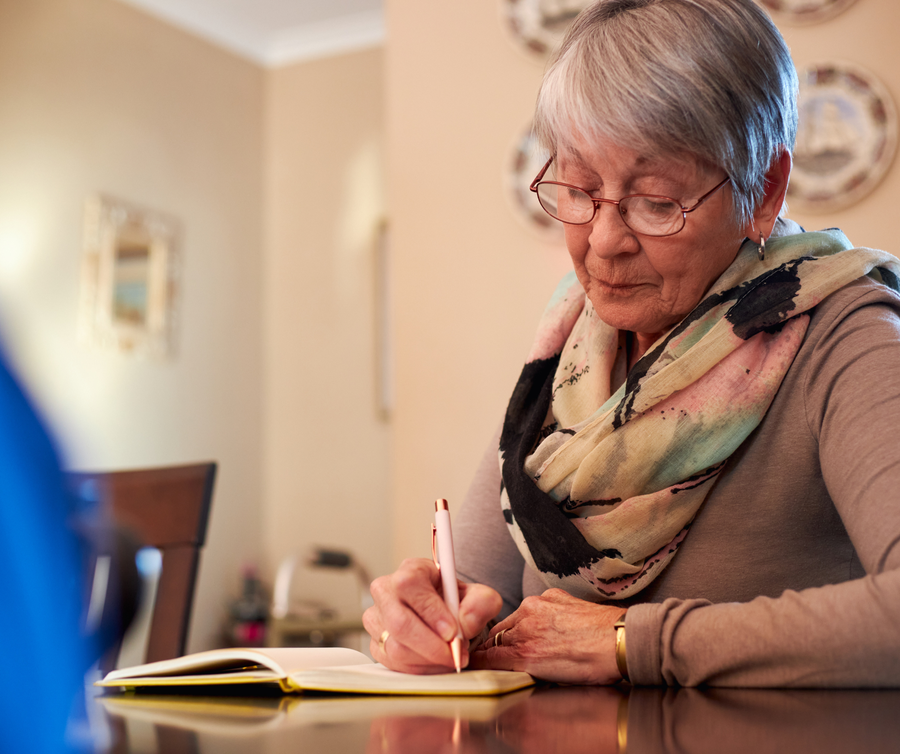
(630, 314)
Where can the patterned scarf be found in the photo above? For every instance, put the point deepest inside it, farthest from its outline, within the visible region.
(600, 487)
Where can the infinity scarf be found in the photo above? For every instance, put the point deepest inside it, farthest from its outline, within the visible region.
(600, 485)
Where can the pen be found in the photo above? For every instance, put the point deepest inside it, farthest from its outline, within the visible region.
(447, 567)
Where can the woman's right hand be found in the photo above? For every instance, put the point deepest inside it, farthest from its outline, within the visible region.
(410, 608)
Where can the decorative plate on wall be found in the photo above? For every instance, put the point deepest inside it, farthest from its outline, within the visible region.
(846, 136)
(525, 162)
(805, 11)
(538, 26)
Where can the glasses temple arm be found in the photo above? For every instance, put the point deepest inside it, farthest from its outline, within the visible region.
(540, 175)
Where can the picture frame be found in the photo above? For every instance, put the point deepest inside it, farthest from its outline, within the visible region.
(129, 278)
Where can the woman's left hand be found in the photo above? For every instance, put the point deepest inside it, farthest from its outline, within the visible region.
(555, 637)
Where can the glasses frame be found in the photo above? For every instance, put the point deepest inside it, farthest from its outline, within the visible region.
(616, 202)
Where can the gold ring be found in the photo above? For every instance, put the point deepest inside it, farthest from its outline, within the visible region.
(382, 640)
(498, 637)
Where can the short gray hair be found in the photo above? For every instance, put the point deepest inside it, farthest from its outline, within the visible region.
(711, 79)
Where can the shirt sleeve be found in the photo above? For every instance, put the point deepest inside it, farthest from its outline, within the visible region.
(485, 552)
(839, 635)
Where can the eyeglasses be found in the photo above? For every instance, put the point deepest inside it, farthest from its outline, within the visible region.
(647, 214)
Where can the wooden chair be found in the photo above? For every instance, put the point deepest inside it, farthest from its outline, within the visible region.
(166, 508)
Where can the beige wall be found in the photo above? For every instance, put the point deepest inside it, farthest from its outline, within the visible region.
(469, 281)
(97, 96)
(326, 450)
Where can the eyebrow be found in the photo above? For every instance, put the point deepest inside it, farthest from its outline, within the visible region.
(642, 161)
(574, 153)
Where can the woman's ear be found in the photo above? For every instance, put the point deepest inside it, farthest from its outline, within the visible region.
(776, 183)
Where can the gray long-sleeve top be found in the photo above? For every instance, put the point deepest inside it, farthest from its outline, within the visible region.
(790, 575)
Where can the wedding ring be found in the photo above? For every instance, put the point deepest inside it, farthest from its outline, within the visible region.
(498, 637)
(382, 640)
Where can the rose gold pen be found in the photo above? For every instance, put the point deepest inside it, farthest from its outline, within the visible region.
(440, 530)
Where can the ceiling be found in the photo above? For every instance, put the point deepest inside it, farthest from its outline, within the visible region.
(276, 32)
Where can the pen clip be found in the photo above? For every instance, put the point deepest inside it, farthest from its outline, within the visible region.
(434, 556)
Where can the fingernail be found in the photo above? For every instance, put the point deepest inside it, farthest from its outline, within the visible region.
(445, 630)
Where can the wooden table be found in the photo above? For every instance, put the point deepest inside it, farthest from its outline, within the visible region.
(542, 720)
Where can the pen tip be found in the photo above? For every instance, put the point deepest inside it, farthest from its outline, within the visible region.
(456, 650)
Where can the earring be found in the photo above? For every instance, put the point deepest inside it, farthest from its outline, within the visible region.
(761, 248)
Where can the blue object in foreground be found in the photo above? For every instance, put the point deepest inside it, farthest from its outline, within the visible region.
(41, 583)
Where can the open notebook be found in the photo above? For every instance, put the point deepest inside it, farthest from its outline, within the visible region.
(292, 669)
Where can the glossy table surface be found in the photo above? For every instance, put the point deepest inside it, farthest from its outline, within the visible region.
(543, 720)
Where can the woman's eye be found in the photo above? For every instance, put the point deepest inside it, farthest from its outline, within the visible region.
(655, 206)
(576, 195)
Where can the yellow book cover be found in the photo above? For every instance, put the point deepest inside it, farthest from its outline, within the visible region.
(294, 669)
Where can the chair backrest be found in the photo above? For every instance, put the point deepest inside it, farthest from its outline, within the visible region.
(166, 508)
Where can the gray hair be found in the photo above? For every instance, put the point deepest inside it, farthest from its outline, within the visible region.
(712, 79)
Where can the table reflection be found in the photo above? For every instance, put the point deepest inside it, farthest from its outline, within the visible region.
(539, 721)
(542, 720)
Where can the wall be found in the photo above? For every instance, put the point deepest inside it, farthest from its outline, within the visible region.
(864, 35)
(469, 280)
(326, 449)
(97, 96)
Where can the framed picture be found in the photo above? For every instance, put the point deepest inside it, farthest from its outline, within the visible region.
(846, 136)
(129, 278)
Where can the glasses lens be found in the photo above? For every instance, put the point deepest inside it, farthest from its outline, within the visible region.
(565, 203)
(652, 215)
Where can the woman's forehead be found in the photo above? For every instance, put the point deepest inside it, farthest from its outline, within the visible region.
(598, 156)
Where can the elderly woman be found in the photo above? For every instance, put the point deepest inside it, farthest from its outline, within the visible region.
(699, 454)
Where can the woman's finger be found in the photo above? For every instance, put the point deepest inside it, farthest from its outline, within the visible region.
(393, 649)
(409, 607)
(503, 625)
(391, 652)
(416, 584)
(500, 650)
(478, 604)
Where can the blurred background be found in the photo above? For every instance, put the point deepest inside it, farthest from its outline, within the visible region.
(356, 292)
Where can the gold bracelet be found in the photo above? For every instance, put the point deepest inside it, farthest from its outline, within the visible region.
(621, 657)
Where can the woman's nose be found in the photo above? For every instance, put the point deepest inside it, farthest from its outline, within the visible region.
(609, 233)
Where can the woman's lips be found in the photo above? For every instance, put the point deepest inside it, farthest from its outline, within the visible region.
(620, 288)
